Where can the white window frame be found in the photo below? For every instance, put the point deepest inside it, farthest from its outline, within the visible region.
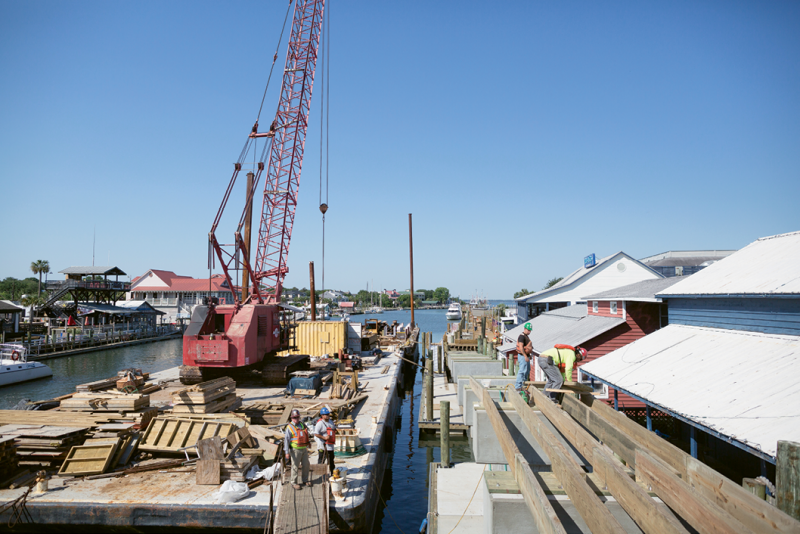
(584, 379)
(594, 306)
(613, 307)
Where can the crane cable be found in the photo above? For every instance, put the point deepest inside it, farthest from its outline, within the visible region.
(324, 124)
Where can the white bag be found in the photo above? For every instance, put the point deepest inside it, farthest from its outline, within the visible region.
(267, 474)
(231, 491)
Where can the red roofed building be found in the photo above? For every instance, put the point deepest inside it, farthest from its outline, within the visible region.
(175, 295)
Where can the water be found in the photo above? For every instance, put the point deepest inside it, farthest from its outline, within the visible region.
(70, 371)
(404, 492)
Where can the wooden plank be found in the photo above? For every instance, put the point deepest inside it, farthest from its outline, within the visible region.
(652, 517)
(286, 413)
(210, 448)
(640, 436)
(754, 513)
(571, 475)
(207, 472)
(605, 431)
(702, 514)
(544, 516)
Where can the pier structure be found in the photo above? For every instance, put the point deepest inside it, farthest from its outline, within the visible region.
(579, 466)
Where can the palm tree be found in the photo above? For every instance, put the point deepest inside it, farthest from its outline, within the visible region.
(39, 267)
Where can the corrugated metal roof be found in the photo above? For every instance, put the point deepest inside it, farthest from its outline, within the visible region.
(644, 290)
(685, 257)
(740, 384)
(571, 325)
(94, 270)
(769, 266)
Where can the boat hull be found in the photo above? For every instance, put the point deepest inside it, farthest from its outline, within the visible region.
(15, 372)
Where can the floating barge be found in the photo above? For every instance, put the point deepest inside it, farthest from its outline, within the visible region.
(170, 498)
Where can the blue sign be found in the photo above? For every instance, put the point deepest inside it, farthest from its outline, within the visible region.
(589, 261)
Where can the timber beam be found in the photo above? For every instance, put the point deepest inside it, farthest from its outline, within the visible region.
(651, 516)
(756, 514)
(542, 511)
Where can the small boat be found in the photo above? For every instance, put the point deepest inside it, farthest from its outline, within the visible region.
(15, 367)
(454, 312)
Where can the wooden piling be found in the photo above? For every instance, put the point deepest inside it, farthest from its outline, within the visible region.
(756, 487)
(444, 430)
(480, 345)
(429, 390)
(787, 478)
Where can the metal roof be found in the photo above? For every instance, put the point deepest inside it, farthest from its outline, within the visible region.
(139, 306)
(8, 307)
(571, 325)
(739, 384)
(584, 272)
(768, 266)
(640, 291)
(690, 258)
(93, 270)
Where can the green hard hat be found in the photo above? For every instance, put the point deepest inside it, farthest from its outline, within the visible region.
(527, 326)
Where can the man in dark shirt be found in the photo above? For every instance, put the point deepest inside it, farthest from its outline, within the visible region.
(524, 350)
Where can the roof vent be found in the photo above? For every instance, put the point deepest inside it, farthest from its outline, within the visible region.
(621, 267)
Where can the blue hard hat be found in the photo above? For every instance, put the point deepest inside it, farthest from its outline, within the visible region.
(325, 411)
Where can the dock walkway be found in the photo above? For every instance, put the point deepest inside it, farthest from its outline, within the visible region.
(304, 511)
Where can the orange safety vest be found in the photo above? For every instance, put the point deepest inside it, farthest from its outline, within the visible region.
(331, 432)
(299, 436)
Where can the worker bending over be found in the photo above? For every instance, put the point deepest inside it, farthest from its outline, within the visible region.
(557, 364)
(325, 434)
(295, 443)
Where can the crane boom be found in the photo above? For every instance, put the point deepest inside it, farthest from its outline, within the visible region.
(286, 153)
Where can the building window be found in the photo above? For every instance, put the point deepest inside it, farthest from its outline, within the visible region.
(594, 306)
(614, 307)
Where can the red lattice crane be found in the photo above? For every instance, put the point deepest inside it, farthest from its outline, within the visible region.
(238, 334)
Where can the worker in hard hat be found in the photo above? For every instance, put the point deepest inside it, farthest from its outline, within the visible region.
(524, 355)
(325, 435)
(295, 444)
(557, 364)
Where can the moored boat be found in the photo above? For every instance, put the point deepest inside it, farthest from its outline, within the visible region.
(15, 367)
(454, 312)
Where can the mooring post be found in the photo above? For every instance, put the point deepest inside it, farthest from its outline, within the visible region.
(483, 326)
(444, 430)
(511, 371)
(429, 389)
(787, 478)
(480, 345)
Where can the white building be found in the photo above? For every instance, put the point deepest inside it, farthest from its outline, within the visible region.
(175, 295)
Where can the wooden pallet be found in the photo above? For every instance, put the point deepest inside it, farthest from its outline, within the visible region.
(169, 435)
(92, 459)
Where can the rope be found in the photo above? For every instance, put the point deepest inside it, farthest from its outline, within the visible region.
(385, 506)
(18, 510)
(470, 502)
(274, 58)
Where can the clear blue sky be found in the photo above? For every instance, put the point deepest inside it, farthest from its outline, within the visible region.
(521, 135)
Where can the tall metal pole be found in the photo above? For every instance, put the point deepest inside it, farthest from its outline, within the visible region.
(411, 260)
(248, 224)
(313, 293)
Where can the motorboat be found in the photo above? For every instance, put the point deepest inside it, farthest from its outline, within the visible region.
(454, 312)
(15, 367)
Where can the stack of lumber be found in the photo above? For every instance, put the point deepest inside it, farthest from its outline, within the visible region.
(130, 379)
(277, 413)
(106, 402)
(108, 383)
(207, 397)
(8, 457)
(43, 445)
(268, 444)
(278, 370)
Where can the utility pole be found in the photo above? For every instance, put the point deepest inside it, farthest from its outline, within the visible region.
(313, 293)
(411, 260)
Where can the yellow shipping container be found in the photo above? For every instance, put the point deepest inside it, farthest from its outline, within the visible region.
(316, 338)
